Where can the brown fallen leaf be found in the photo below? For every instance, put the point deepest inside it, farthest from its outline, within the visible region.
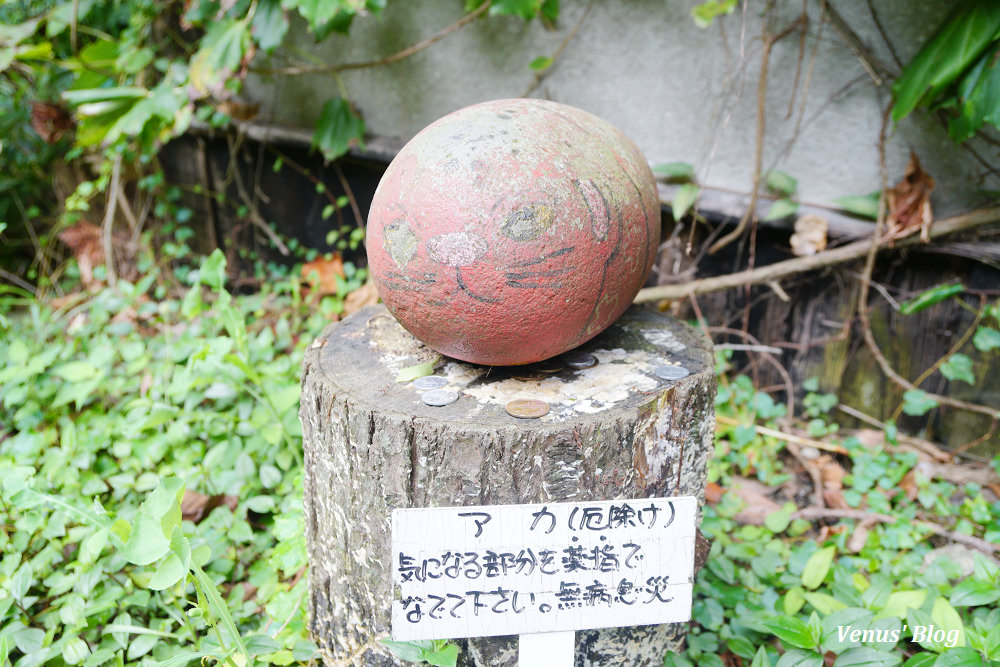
(756, 497)
(84, 241)
(196, 506)
(834, 499)
(50, 121)
(909, 203)
(713, 493)
(831, 472)
(908, 485)
(321, 274)
(856, 542)
(810, 235)
(366, 295)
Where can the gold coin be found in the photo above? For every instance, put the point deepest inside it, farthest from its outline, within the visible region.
(527, 408)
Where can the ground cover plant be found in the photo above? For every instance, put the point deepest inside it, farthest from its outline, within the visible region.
(150, 463)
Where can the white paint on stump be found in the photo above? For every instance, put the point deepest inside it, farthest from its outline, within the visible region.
(543, 568)
(549, 649)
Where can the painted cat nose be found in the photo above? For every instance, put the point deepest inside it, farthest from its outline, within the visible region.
(457, 248)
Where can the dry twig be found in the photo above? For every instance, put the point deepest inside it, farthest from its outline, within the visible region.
(824, 259)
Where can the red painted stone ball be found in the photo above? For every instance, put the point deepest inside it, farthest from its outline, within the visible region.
(511, 231)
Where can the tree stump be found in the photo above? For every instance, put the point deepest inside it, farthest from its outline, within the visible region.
(614, 431)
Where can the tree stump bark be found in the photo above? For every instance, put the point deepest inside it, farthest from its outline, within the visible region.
(371, 445)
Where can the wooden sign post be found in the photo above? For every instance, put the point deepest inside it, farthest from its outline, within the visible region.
(638, 423)
(542, 571)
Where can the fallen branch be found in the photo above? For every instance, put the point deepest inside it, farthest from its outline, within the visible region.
(815, 513)
(781, 435)
(847, 253)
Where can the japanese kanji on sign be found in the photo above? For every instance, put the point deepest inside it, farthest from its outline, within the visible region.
(518, 569)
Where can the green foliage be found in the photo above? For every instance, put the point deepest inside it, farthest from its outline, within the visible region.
(784, 185)
(863, 206)
(774, 599)
(706, 12)
(684, 199)
(957, 68)
(337, 129)
(931, 297)
(105, 422)
(676, 172)
(432, 652)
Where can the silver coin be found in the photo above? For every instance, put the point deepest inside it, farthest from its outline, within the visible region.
(671, 372)
(429, 382)
(579, 359)
(439, 397)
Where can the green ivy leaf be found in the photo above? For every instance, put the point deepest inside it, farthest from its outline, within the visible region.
(959, 657)
(413, 372)
(899, 603)
(541, 63)
(446, 656)
(851, 617)
(684, 199)
(675, 172)
(707, 11)
(817, 566)
(917, 403)
(760, 659)
(956, 45)
(799, 658)
(168, 573)
(863, 206)
(409, 651)
(975, 593)
(781, 183)
(269, 24)
(928, 298)
(986, 339)
(791, 631)
(862, 656)
(921, 660)
(945, 617)
(782, 208)
(337, 129)
(823, 603)
(146, 543)
(958, 368)
(526, 9)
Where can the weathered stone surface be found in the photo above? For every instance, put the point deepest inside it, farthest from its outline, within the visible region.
(511, 231)
(613, 431)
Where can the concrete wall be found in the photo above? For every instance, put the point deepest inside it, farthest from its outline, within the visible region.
(680, 92)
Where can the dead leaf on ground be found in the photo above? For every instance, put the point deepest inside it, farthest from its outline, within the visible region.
(756, 497)
(321, 274)
(908, 485)
(366, 295)
(959, 474)
(50, 121)
(827, 532)
(84, 241)
(910, 203)
(196, 506)
(834, 499)
(810, 235)
(859, 537)
(831, 473)
(713, 493)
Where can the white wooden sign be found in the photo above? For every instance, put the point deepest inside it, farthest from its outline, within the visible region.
(545, 568)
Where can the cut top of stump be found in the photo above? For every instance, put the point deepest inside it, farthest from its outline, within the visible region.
(364, 354)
